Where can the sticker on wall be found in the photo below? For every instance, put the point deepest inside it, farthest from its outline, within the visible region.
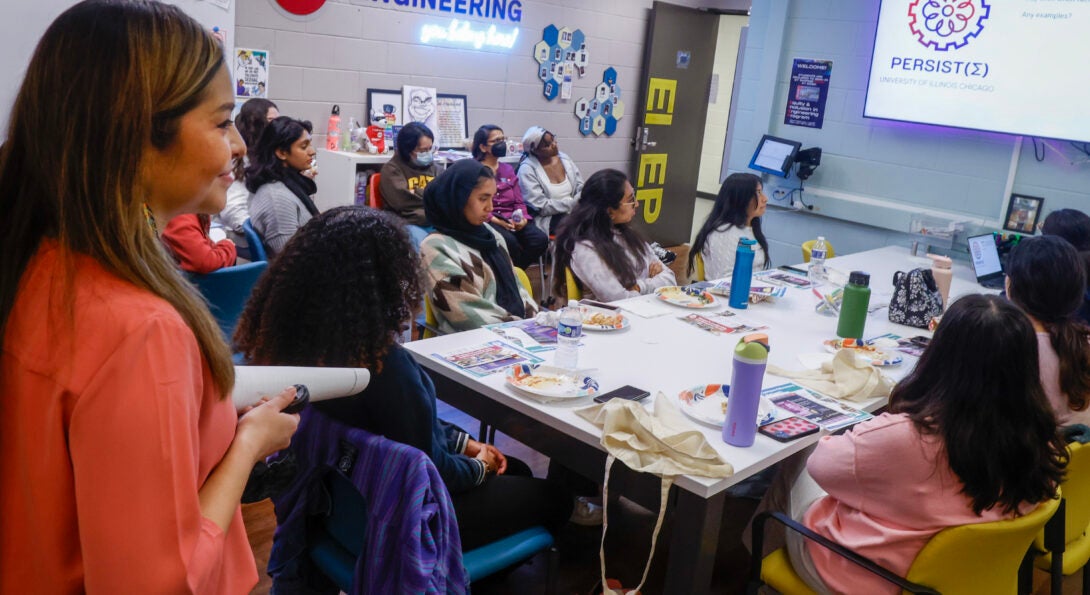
(560, 53)
(251, 73)
(599, 114)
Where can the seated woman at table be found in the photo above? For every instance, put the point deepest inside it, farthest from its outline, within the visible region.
(550, 181)
(737, 214)
(1045, 278)
(969, 438)
(186, 238)
(469, 277)
(339, 295)
(1073, 226)
(281, 202)
(406, 175)
(525, 242)
(608, 257)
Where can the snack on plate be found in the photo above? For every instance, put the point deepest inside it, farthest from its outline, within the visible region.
(850, 344)
(601, 318)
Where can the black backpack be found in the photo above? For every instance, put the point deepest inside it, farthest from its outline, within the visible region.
(916, 298)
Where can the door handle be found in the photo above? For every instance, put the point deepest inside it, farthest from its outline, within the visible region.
(644, 142)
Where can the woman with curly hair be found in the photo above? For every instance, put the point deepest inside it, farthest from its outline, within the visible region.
(470, 279)
(339, 295)
(608, 257)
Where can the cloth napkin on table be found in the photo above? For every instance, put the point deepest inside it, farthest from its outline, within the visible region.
(848, 376)
(661, 442)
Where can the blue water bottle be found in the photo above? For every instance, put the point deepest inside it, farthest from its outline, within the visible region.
(750, 360)
(743, 274)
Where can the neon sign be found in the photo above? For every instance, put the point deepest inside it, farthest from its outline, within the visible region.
(462, 32)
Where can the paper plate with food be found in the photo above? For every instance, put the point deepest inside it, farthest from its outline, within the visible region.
(707, 403)
(598, 319)
(870, 350)
(551, 381)
(686, 297)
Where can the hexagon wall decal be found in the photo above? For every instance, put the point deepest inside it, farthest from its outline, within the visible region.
(599, 113)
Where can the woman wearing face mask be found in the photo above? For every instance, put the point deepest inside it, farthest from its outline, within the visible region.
(469, 278)
(549, 180)
(406, 175)
(525, 242)
(736, 215)
(281, 202)
(608, 257)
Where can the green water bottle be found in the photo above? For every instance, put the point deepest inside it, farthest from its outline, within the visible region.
(853, 311)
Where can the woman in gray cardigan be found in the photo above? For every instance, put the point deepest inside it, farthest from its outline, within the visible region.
(281, 201)
(549, 180)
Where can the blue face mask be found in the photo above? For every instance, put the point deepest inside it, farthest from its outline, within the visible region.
(423, 159)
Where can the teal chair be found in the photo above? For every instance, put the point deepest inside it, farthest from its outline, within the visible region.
(227, 290)
(337, 541)
(257, 247)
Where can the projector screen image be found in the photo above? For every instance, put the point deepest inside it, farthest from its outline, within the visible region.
(1013, 66)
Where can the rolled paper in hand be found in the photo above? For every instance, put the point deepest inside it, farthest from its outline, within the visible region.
(254, 382)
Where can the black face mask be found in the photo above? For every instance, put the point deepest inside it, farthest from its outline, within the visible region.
(499, 149)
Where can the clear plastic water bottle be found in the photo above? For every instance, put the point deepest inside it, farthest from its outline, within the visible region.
(569, 330)
(516, 216)
(818, 274)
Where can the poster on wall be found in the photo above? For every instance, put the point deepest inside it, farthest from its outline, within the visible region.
(452, 114)
(384, 107)
(418, 105)
(808, 92)
(251, 73)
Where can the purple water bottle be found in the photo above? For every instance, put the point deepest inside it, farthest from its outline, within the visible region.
(750, 360)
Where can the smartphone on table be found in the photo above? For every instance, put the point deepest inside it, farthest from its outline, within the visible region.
(630, 393)
(786, 430)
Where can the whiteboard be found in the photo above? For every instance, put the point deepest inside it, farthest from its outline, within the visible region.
(23, 23)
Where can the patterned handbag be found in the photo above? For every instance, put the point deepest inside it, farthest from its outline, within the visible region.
(916, 298)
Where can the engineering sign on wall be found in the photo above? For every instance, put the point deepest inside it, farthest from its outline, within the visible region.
(651, 174)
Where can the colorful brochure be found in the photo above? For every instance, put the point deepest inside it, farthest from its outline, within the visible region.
(527, 334)
(756, 290)
(784, 278)
(722, 323)
(829, 413)
(492, 357)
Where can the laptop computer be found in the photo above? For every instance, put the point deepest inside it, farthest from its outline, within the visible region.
(985, 256)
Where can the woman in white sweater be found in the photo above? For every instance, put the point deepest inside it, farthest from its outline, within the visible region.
(736, 215)
(608, 257)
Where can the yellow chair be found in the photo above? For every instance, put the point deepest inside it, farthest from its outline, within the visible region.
(431, 323)
(574, 291)
(1071, 550)
(698, 267)
(809, 244)
(975, 558)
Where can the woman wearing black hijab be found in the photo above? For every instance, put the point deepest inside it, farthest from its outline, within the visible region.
(469, 276)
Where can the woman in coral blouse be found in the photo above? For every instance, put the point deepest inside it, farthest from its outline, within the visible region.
(124, 458)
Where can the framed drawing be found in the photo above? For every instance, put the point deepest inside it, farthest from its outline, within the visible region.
(418, 105)
(384, 102)
(1022, 213)
(452, 117)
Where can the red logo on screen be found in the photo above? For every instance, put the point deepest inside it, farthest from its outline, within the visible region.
(300, 7)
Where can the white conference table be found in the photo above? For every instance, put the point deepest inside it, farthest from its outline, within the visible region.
(664, 354)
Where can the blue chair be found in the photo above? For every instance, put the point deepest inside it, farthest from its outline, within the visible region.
(337, 541)
(227, 290)
(257, 247)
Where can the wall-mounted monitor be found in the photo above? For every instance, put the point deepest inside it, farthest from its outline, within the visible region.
(774, 155)
(1012, 67)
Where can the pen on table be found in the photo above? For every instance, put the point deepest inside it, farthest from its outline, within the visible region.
(826, 299)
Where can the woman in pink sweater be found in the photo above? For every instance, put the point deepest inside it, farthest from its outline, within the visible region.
(970, 438)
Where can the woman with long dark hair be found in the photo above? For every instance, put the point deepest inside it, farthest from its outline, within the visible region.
(339, 295)
(469, 277)
(969, 438)
(737, 214)
(1074, 226)
(281, 202)
(406, 175)
(1045, 278)
(525, 242)
(250, 121)
(126, 458)
(609, 258)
